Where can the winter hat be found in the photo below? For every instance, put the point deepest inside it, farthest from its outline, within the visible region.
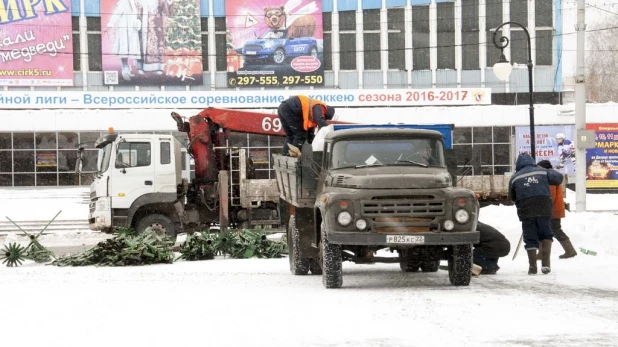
(546, 164)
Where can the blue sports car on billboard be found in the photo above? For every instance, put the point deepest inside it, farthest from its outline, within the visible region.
(275, 45)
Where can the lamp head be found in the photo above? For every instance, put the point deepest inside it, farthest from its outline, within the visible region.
(502, 69)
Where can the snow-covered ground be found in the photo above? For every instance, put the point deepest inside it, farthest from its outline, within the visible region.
(257, 302)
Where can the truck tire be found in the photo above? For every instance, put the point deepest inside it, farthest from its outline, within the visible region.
(430, 266)
(460, 265)
(298, 266)
(409, 266)
(332, 274)
(159, 222)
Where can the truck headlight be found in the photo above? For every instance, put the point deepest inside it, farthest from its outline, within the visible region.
(462, 216)
(449, 225)
(361, 224)
(344, 218)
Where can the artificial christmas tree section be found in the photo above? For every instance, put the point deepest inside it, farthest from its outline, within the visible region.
(151, 43)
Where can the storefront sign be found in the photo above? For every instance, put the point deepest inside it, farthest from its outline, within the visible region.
(554, 143)
(36, 43)
(271, 45)
(602, 161)
(151, 42)
(243, 99)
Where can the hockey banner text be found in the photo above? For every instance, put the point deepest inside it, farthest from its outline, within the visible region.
(36, 43)
(243, 99)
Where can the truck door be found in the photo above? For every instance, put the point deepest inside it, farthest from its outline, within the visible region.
(132, 172)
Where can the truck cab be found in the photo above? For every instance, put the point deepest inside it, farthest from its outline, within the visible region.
(367, 188)
(136, 184)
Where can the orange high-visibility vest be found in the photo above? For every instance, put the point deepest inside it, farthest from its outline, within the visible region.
(307, 104)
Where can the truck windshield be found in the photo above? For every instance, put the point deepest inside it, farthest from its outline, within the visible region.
(105, 154)
(425, 152)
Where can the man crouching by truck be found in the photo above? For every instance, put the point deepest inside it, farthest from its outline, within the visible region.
(492, 245)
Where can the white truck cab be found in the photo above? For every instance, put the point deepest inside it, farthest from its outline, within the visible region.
(134, 173)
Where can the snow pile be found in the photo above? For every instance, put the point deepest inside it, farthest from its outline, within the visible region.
(596, 231)
(37, 204)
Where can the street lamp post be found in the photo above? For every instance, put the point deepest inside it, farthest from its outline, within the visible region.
(502, 70)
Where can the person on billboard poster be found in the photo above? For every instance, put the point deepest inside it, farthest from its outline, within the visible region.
(566, 150)
(125, 25)
(153, 17)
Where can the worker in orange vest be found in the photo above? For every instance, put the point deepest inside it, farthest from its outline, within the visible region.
(299, 116)
(558, 213)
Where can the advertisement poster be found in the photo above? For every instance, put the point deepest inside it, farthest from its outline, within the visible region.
(553, 142)
(602, 161)
(46, 159)
(151, 42)
(272, 43)
(36, 43)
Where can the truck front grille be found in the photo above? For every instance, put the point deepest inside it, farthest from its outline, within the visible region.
(403, 206)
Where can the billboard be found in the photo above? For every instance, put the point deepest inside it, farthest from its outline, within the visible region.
(553, 142)
(602, 161)
(36, 43)
(151, 42)
(274, 44)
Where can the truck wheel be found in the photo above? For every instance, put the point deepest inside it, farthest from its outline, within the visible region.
(409, 266)
(162, 224)
(430, 266)
(460, 265)
(332, 276)
(315, 267)
(298, 266)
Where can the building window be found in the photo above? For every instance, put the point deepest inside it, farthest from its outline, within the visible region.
(470, 35)
(77, 66)
(347, 40)
(327, 44)
(544, 20)
(446, 35)
(519, 12)
(519, 40)
(396, 38)
(371, 39)
(420, 37)
(493, 18)
(95, 59)
(221, 43)
(204, 36)
(544, 47)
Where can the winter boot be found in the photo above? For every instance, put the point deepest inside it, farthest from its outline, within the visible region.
(545, 266)
(539, 255)
(568, 249)
(532, 270)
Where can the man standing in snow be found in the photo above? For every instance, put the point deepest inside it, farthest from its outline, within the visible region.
(492, 245)
(529, 188)
(558, 213)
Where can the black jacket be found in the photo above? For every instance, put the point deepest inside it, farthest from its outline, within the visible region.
(529, 188)
(492, 243)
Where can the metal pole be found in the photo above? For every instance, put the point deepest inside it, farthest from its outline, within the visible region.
(580, 109)
(504, 42)
(531, 97)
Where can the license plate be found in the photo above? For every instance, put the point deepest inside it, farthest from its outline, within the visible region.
(409, 239)
(251, 52)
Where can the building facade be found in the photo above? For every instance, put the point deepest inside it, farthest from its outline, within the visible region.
(364, 45)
